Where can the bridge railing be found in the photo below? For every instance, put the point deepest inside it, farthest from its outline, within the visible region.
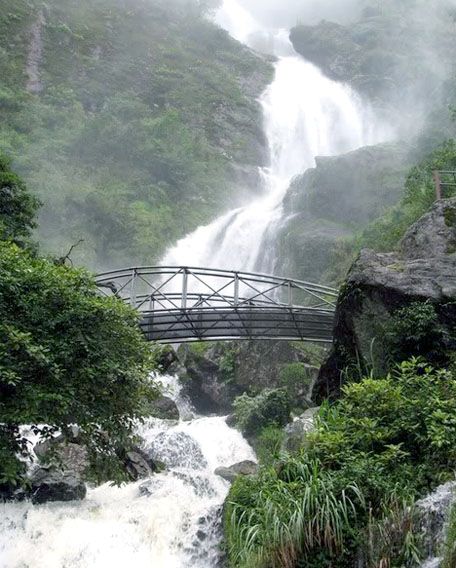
(180, 304)
(188, 288)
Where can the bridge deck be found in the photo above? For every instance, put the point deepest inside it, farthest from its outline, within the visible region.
(181, 304)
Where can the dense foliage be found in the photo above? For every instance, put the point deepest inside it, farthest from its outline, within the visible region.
(386, 440)
(67, 355)
(269, 408)
(17, 206)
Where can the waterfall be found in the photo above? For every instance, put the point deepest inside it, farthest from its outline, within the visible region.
(170, 520)
(305, 115)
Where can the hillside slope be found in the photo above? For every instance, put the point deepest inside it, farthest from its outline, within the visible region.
(133, 121)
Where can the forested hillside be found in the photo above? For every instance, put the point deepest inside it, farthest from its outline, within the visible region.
(132, 121)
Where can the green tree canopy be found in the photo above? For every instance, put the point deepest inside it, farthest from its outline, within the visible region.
(67, 355)
(17, 205)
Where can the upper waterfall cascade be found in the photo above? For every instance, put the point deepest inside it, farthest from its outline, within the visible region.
(305, 115)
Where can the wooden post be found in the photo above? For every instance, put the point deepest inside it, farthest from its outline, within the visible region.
(438, 185)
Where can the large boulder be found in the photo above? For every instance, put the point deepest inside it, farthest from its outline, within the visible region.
(378, 284)
(176, 449)
(56, 485)
(164, 408)
(230, 473)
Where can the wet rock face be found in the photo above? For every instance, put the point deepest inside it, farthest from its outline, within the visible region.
(433, 514)
(375, 54)
(329, 46)
(138, 465)
(230, 473)
(378, 284)
(296, 431)
(54, 485)
(324, 204)
(176, 449)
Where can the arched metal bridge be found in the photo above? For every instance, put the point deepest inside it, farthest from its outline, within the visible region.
(181, 304)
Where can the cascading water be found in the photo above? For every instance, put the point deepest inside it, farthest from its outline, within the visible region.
(167, 521)
(305, 115)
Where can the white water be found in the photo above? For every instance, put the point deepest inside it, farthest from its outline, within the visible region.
(305, 115)
(146, 524)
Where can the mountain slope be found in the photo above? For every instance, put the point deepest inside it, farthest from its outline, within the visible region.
(133, 121)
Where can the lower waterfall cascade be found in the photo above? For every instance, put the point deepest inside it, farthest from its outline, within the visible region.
(170, 520)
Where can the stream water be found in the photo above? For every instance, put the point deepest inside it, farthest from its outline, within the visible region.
(170, 520)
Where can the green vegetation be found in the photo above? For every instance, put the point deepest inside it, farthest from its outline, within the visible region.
(384, 442)
(269, 408)
(67, 356)
(385, 232)
(449, 560)
(415, 330)
(296, 379)
(17, 206)
(132, 137)
(268, 444)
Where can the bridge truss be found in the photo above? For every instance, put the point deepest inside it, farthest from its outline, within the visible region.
(181, 304)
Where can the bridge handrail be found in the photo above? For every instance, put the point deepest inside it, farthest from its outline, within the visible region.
(267, 278)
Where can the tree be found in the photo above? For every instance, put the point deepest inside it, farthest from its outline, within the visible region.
(17, 206)
(67, 356)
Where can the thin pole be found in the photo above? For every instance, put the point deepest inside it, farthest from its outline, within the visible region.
(438, 185)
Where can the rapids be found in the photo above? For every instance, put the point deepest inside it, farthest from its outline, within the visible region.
(168, 521)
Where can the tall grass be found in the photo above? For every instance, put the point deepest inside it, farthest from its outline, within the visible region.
(298, 510)
(449, 559)
(392, 539)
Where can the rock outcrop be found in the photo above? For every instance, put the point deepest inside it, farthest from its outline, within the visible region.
(295, 432)
(216, 375)
(326, 203)
(378, 284)
(230, 473)
(433, 513)
(377, 54)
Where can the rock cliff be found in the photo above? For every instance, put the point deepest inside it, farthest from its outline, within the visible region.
(422, 272)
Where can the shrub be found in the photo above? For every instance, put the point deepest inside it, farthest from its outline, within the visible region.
(253, 413)
(268, 444)
(296, 379)
(17, 205)
(414, 330)
(384, 443)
